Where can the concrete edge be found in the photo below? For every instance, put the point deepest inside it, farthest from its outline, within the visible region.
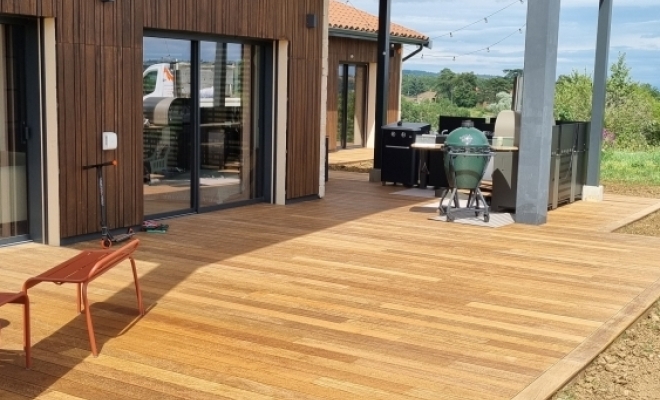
(569, 367)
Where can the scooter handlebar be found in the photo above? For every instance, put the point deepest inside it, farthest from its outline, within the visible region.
(104, 164)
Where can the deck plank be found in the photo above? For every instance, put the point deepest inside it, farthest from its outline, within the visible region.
(358, 295)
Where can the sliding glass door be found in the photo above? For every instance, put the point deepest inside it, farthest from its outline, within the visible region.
(202, 137)
(20, 161)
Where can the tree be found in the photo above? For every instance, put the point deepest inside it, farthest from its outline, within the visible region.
(428, 112)
(490, 88)
(504, 101)
(619, 85)
(464, 90)
(573, 97)
(445, 83)
(632, 112)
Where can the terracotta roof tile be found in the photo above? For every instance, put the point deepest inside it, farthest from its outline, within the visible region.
(344, 16)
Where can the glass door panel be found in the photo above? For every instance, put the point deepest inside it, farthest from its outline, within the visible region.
(228, 140)
(341, 106)
(13, 142)
(358, 107)
(351, 109)
(168, 129)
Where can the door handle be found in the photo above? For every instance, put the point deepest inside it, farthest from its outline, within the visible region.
(26, 133)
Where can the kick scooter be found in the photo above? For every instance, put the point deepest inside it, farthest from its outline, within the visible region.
(107, 238)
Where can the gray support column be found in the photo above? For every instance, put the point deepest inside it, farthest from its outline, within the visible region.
(537, 112)
(600, 82)
(382, 76)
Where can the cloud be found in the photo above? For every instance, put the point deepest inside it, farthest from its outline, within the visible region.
(635, 30)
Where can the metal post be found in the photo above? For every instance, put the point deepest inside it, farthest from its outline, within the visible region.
(382, 76)
(600, 83)
(537, 114)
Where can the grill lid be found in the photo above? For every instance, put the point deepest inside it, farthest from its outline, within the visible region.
(467, 137)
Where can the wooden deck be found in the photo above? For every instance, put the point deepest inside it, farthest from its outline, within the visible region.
(357, 296)
(349, 156)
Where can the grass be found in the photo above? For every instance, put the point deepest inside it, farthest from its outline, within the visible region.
(634, 174)
(631, 167)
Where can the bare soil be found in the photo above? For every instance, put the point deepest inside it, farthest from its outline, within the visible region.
(630, 367)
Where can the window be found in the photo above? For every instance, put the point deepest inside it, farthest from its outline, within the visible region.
(149, 82)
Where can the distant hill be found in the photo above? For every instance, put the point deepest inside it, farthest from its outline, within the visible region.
(413, 72)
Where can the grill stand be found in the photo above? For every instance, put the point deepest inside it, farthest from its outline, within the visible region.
(474, 197)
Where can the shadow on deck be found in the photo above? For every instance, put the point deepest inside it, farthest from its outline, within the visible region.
(352, 296)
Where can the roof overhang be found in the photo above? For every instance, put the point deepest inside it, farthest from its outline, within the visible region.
(373, 36)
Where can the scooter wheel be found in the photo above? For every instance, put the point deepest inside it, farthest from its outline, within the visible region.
(106, 243)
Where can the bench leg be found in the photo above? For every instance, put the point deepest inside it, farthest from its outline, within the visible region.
(88, 319)
(138, 292)
(78, 302)
(26, 332)
(27, 347)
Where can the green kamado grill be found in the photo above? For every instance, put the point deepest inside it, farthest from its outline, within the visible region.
(467, 154)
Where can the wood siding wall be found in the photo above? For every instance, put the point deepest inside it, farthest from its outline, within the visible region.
(99, 58)
(99, 70)
(33, 8)
(267, 19)
(352, 51)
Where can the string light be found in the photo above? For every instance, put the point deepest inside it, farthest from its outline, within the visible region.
(486, 49)
(451, 34)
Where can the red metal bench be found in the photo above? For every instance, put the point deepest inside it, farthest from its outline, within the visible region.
(21, 298)
(84, 268)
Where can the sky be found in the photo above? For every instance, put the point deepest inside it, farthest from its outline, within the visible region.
(635, 32)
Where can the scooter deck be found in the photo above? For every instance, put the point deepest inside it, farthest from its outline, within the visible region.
(122, 237)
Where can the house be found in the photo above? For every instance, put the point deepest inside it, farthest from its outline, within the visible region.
(428, 96)
(352, 62)
(232, 110)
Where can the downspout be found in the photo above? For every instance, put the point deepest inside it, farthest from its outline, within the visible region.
(420, 47)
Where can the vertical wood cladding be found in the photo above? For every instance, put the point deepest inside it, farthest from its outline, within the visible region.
(99, 59)
(352, 51)
(271, 20)
(99, 67)
(99, 70)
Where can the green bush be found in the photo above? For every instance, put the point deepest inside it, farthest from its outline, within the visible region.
(632, 110)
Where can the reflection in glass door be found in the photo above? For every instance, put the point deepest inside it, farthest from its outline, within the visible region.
(13, 143)
(167, 140)
(352, 105)
(202, 137)
(228, 134)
